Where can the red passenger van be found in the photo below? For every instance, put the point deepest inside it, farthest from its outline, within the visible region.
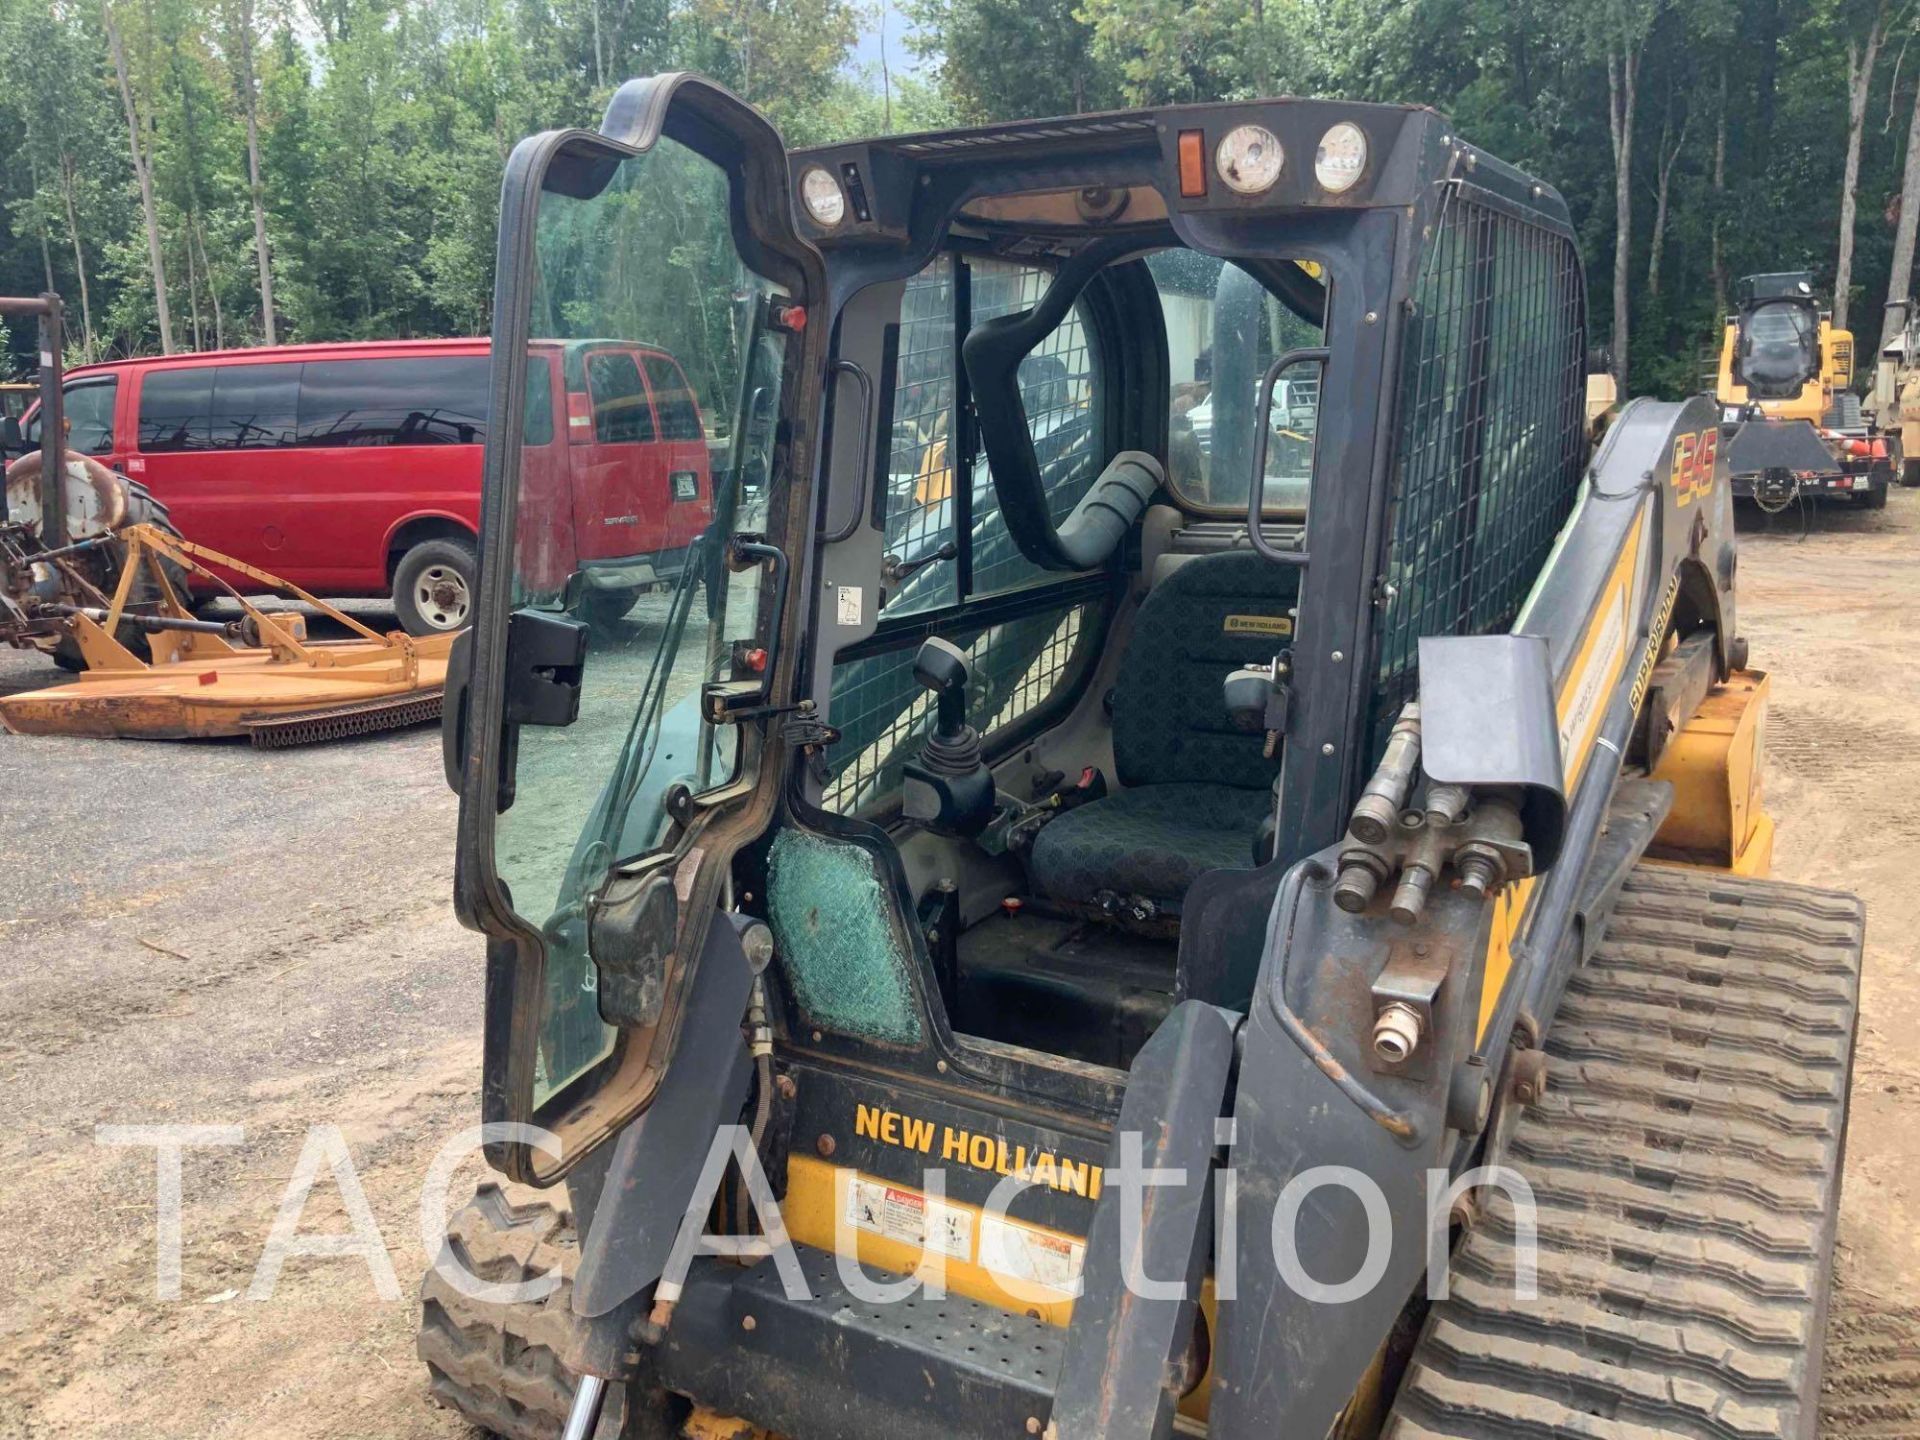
(354, 469)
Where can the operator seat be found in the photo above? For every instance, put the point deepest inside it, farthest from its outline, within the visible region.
(1196, 787)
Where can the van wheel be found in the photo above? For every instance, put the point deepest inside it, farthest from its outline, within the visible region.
(605, 609)
(433, 587)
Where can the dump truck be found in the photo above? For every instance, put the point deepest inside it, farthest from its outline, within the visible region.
(1192, 952)
(1808, 436)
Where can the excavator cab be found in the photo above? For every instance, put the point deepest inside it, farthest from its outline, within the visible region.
(1104, 827)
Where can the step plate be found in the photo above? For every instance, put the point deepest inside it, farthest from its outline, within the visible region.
(1686, 1170)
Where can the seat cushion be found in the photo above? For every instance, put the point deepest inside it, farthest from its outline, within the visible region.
(1210, 616)
(1152, 840)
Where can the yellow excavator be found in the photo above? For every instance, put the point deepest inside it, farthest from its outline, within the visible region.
(1122, 948)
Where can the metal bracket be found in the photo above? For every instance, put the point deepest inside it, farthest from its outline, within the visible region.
(1404, 994)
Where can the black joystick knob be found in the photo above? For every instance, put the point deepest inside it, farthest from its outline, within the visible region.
(955, 745)
(949, 788)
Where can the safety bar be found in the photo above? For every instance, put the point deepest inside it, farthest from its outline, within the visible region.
(1257, 485)
(865, 381)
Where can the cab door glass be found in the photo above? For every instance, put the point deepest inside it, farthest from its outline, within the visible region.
(647, 265)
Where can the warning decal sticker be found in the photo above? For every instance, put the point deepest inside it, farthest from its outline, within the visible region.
(909, 1217)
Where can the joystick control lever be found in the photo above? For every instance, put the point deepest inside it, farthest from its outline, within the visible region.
(948, 788)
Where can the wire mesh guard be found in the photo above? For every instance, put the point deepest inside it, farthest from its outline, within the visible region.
(884, 713)
(1491, 433)
(1056, 391)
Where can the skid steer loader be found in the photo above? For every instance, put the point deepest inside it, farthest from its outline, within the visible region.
(1259, 934)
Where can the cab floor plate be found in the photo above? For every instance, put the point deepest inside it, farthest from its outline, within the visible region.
(1685, 1164)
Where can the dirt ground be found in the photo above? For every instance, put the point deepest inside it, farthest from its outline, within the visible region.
(218, 936)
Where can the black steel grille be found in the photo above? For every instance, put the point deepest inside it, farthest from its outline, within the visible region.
(884, 714)
(1491, 433)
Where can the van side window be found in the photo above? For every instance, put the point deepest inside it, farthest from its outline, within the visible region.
(679, 419)
(621, 414)
(431, 400)
(88, 406)
(176, 410)
(254, 407)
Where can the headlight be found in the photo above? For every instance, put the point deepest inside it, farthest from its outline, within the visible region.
(1249, 159)
(1342, 157)
(826, 202)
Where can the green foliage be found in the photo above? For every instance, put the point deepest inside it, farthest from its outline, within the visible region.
(385, 126)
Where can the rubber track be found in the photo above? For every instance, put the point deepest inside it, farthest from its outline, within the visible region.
(498, 1364)
(1685, 1164)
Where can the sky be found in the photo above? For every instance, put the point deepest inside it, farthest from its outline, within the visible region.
(886, 19)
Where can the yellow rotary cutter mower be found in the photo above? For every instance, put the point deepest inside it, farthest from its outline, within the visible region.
(93, 575)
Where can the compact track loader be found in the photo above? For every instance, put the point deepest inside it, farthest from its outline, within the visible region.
(1794, 429)
(1242, 912)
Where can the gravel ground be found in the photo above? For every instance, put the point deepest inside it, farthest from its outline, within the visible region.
(208, 934)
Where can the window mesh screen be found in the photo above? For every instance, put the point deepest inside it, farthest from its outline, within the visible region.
(919, 477)
(884, 713)
(1056, 387)
(1491, 444)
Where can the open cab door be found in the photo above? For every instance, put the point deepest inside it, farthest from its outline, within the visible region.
(612, 752)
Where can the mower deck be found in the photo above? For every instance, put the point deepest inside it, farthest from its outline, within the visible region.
(358, 685)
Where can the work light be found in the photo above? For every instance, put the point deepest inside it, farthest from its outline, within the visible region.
(1249, 158)
(1341, 158)
(826, 202)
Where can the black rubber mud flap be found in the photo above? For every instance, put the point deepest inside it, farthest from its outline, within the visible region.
(1121, 1377)
(658, 1158)
(1685, 1166)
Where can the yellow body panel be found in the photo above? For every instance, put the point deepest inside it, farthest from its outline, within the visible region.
(1716, 766)
(816, 1205)
(814, 1210)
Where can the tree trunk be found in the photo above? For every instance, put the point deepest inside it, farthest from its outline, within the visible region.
(1720, 204)
(1663, 187)
(163, 317)
(1860, 62)
(213, 289)
(1900, 275)
(46, 246)
(79, 257)
(1623, 78)
(193, 294)
(250, 107)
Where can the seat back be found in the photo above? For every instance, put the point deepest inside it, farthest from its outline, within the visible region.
(1209, 616)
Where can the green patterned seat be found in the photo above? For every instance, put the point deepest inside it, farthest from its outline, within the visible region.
(1195, 787)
